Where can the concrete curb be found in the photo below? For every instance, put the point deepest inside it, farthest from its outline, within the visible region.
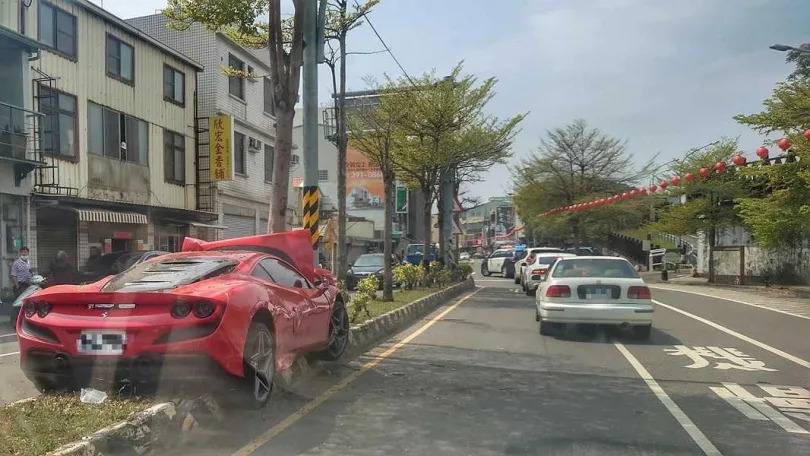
(371, 332)
(159, 427)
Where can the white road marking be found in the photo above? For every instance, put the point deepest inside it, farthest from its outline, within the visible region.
(739, 404)
(9, 354)
(697, 435)
(677, 290)
(763, 408)
(489, 280)
(762, 345)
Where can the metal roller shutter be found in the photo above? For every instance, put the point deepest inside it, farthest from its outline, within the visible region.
(51, 238)
(262, 226)
(238, 226)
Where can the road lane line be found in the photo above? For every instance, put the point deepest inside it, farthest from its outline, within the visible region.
(269, 434)
(739, 404)
(763, 408)
(697, 435)
(732, 300)
(762, 345)
(9, 354)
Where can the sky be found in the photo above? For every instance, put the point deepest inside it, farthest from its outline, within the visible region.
(665, 76)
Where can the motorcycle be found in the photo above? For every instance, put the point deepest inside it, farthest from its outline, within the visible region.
(36, 284)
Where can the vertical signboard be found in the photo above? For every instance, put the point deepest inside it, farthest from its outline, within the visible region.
(364, 185)
(221, 147)
(401, 200)
(504, 220)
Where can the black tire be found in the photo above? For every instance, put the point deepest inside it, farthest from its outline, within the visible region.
(485, 270)
(642, 332)
(536, 315)
(545, 327)
(12, 318)
(260, 366)
(530, 292)
(338, 334)
(517, 277)
(503, 271)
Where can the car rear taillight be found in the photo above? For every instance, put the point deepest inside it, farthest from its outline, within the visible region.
(558, 291)
(30, 309)
(540, 271)
(43, 309)
(181, 309)
(203, 309)
(639, 293)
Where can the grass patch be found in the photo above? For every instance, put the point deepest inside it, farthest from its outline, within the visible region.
(39, 426)
(641, 235)
(401, 298)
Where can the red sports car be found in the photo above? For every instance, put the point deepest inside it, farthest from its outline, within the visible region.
(246, 307)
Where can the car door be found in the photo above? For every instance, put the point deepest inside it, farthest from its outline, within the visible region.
(314, 302)
(497, 259)
(291, 302)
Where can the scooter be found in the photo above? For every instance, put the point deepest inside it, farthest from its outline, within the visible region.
(35, 285)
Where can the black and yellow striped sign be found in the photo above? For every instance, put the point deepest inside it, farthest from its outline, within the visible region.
(312, 200)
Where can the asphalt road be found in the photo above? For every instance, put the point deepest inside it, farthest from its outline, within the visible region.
(476, 377)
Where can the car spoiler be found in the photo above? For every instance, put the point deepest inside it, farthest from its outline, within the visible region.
(294, 247)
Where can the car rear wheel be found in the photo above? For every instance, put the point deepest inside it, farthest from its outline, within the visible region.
(517, 277)
(545, 327)
(260, 365)
(530, 292)
(642, 332)
(338, 334)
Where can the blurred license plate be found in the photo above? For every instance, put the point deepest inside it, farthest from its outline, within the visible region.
(102, 342)
(598, 293)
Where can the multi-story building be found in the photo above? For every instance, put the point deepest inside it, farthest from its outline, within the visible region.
(117, 135)
(243, 202)
(484, 223)
(19, 128)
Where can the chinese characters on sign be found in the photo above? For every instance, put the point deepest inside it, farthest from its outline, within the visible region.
(725, 358)
(791, 401)
(220, 134)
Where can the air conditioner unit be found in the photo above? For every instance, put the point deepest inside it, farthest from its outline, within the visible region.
(254, 145)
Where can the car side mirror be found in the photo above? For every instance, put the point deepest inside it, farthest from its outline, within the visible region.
(298, 284)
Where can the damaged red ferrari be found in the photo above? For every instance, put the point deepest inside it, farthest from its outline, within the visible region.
(244, 307)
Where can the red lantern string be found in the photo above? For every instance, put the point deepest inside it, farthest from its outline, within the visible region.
(653, 188)
(738, 160)
(689, 176)
(720, 167)
(784, 144)
(676, 181)
(762, 153)
(704, 172)
(663, 185)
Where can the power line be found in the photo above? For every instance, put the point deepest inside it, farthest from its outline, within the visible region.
(388, 49)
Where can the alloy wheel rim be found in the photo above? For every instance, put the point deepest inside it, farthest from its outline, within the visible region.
(263, 368)
(338, 330)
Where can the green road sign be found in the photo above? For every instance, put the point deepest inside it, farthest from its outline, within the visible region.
(401, 200)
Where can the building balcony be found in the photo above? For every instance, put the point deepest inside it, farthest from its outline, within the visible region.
(19, 130)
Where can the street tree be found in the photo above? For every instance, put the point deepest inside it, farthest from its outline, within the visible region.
(340, 20)
(444, 130)
(802, 60)
(242, 20)
(710, 202)
(573, 164)
(374, 130)
(780, 213)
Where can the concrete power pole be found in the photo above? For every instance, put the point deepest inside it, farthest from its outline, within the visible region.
(311, 196)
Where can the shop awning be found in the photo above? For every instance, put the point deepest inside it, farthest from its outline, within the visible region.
(207, 225)
(95, 215)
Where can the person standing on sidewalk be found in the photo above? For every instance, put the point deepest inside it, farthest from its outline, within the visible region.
(21, 271)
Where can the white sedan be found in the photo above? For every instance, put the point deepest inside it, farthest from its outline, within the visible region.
(594, 290)
(527, 256)
(537, 267)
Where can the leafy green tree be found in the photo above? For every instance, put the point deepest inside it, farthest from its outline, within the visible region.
(574, 164)
(779, 214)
(802, 60)
(243, 21)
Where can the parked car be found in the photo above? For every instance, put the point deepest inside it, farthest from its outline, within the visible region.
(538, 265)
(496, 262)
(527, 255)
(414, 253)
(240, 310)
(365, 265)
(594, 290)
(584, 251)
(464, 256)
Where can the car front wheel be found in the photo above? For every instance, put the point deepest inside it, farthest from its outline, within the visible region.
(338, 334)
(485, 270)
(260, 365)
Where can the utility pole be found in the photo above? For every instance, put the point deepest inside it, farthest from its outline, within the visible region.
(447, 197)
(312, 196)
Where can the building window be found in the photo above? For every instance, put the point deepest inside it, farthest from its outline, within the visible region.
(323, 175)
(57, 29)
(295, 159)
(120, 60)
(174, 85)
(269, 156)
(58, 130)
(269, 106)
(174, 157)
(239, 153)
(236, 85)
(116, 135)
(169, 242)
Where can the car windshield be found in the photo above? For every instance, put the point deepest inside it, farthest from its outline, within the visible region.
(608, 268)
(545, 260)
(369, 260)
(169, 273)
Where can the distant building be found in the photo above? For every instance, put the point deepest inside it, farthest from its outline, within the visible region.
(490, 221)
